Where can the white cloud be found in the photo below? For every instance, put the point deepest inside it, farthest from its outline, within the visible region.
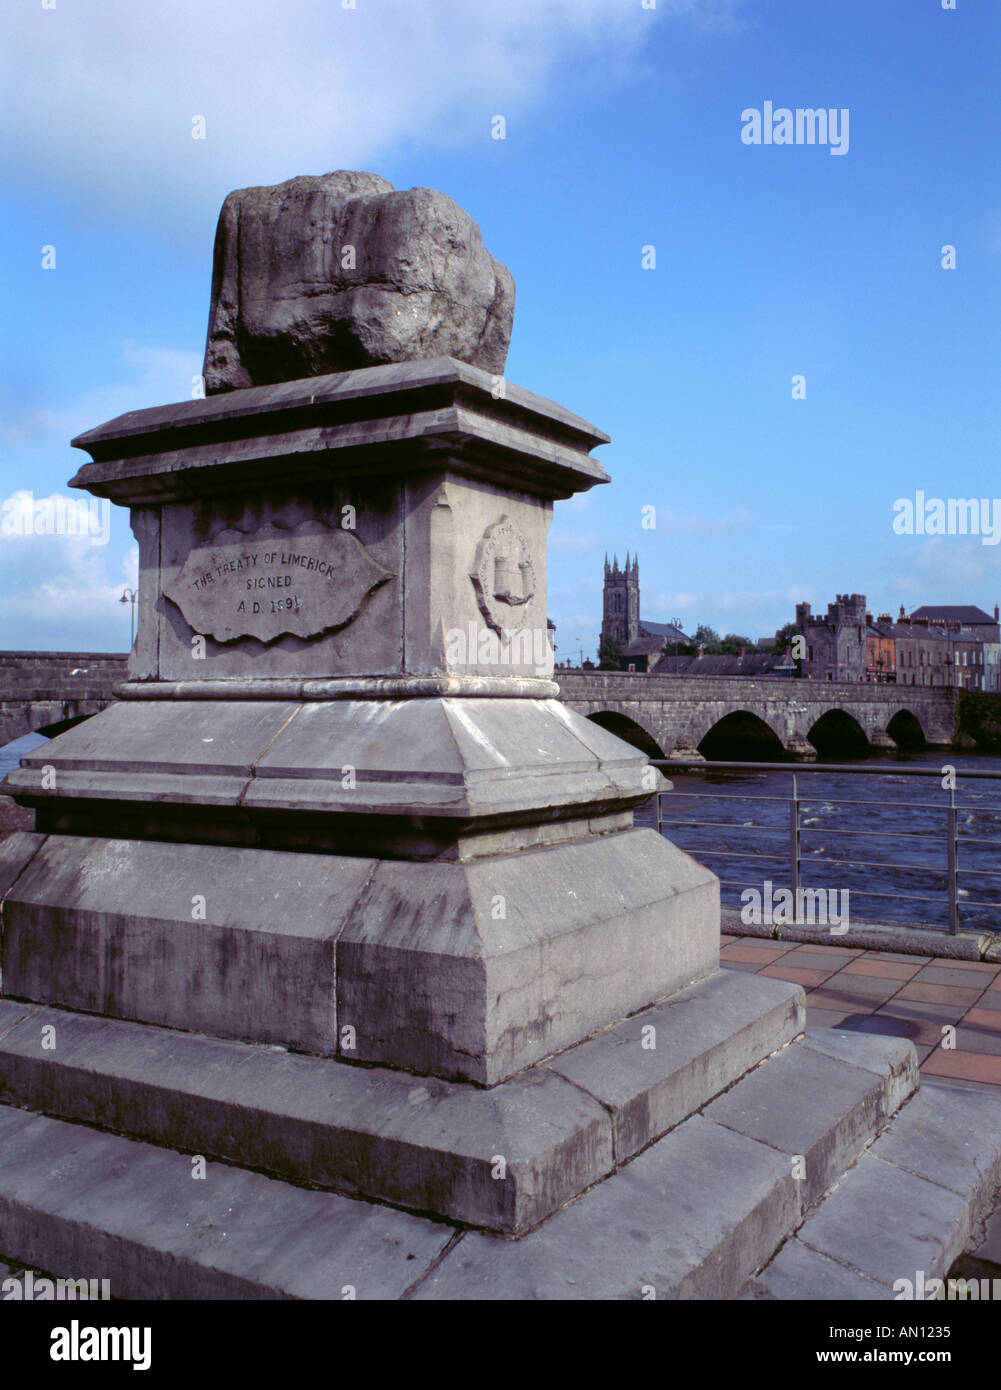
(62, 592)
(944, 569)
(101, 98)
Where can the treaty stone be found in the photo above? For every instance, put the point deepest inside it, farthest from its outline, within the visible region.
(338, 271)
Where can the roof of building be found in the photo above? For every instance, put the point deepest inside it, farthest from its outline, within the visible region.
(668, 630)
(643, 646)
(727, 664)
(954, 612)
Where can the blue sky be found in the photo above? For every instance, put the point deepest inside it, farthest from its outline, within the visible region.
(623, 131)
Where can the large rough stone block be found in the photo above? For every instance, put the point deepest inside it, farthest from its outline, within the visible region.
(332, 272)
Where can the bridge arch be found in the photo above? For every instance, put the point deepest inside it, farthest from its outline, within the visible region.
(629, 730)
(740, 735)
(907, 731)
(48, 717)
(837, 733)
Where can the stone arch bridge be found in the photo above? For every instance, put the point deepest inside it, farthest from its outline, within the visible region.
(45, 692)
(48, 691)
(719, 714)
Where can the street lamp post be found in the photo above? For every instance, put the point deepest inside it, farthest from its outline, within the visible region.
(129, 596)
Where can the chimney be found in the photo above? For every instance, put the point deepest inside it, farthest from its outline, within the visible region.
(996, 614)
(700, 653)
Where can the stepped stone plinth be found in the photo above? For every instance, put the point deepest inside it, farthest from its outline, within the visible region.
(337, 891)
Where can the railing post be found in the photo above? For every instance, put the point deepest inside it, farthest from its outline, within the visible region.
(658, 795)
(794, 846)
(953, 867)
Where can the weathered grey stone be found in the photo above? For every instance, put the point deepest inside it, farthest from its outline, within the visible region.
(430, 767)
(192, 936)
(887, 1224)
(797, 1272)
(97, 1205)
(16, 852)
(703, 1039)
(478, 969)
(819, 1110)
(692, 1217)
(950, 1137)
(470, 969)
(338, 271)
(893, 1059)
(504, 1158)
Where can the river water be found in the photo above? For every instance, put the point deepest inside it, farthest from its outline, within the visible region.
(892, 815)
(887, 825)
(12, 753)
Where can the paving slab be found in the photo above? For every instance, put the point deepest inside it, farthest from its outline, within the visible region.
(949, 1137)
(691, 1218)
(101, 1206)
(936, 974)
(797, 1272)
(887, 1224)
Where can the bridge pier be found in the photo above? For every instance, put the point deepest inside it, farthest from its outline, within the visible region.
(881, 739)
(800, 749)
(688, 754)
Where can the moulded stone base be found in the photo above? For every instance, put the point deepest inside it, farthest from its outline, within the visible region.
(472, 970)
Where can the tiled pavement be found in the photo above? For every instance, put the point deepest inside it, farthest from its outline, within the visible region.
(950, 1009)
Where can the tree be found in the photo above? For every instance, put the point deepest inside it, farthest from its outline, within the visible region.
(608, 654)
(784, 636)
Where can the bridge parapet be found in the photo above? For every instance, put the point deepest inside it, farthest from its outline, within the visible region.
(676, 712)
(42, 690)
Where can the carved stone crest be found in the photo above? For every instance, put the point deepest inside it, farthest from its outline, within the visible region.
(503, 576)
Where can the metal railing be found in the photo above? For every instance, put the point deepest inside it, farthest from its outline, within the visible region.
(947, 808)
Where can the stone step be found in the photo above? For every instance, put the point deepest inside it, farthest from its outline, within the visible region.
(691, 1217)
(94, 1205)
(822, 1103)
(904, 1212)
(418, 1142)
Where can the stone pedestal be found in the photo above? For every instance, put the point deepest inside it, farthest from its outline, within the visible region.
(337, 807)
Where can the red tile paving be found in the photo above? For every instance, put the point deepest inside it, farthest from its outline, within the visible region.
(809, 979)
(939, 994)
(981, 1018)
(964, 1066)
(887, 969)
(891, 992)
(749, 953)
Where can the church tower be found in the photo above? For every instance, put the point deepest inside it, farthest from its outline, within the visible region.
(620, 620)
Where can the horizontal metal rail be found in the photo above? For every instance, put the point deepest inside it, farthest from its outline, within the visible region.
(797, 826)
